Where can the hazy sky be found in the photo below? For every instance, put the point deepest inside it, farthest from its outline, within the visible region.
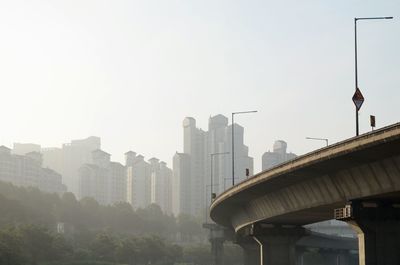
(130, 71)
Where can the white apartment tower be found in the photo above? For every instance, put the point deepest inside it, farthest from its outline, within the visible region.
(148, 182)
(138, 174)
(181, 199)
(192, 168)
(161, 185)
(102, 180)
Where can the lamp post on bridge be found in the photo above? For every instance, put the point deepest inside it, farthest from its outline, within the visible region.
(319, 139)
(358, 99)
(233, 142)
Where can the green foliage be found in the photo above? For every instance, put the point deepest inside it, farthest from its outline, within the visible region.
(11, 250)
(103, 247)
(94, 234)
(20, 205)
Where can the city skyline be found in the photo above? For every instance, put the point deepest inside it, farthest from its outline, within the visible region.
(133, 70)
(88, 171)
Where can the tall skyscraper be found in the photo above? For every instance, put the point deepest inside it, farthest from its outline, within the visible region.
(277, 156)
(192, 168)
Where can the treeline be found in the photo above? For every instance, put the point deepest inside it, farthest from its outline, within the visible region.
(31, 244)
(20, 205)
(93, 234)
(35, 245)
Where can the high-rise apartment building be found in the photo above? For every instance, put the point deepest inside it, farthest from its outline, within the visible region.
(192, 168)
(277, 156)
(148, 182)
(102, 180)
(161, 185)
(26, 170)
(69, 158)
(181, 197)
(138, 173)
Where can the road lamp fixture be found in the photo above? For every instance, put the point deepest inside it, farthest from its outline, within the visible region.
(211, 171)
(233, 142)
(319, 139)
(358, 98)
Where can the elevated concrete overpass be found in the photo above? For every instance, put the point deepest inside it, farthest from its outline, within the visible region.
(363, 171)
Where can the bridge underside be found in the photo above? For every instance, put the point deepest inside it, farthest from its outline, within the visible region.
(364, 171)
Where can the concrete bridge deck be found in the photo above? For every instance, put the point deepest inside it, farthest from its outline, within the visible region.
(269, 209)
(307, 190)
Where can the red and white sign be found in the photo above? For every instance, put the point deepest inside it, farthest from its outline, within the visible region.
(358, 99)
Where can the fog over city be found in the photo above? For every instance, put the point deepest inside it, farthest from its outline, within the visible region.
(118, 145)
(130, 71)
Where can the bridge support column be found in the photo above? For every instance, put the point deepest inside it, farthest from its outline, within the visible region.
(217, 239)
(251, 250)
(277, 244)
(378, 228)
(217, 251)
(335, 257)
(300, 251)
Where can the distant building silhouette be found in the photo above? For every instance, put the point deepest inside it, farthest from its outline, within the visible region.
(138, 174)
(277, 156)
(69, 158)
(103, 180)
(192, 168)
(181, 184)
(148, 182)
(161, 185)
(26, 170)
(24, 148)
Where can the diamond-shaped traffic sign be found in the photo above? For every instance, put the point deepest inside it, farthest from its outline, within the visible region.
(358, 99)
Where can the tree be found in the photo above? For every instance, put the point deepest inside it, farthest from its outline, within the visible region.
(11, 251)
(36, 242)
(103, 247)
(69, 210)
(127, 251)
(151, 250)
(60, 248)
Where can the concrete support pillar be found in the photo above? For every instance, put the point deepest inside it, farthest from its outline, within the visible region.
(217, 250)
(300, 251)
(251, 250)
(377, 224)
(217, 238)
(344, 258)
(335, 257)
(276, 244)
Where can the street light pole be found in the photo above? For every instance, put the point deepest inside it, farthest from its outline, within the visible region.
(233, 142)
(320, 139)
(355, 58)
